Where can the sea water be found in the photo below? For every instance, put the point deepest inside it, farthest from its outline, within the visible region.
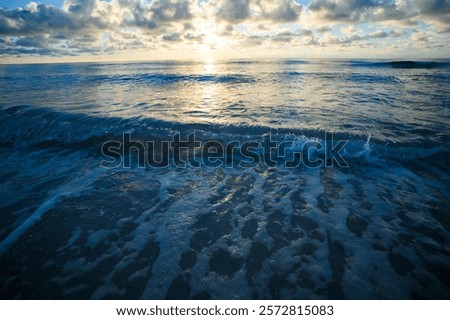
(378, 227)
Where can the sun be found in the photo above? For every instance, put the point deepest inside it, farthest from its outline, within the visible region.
(212, 40)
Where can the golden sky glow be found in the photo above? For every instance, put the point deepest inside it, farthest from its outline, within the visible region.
(75, 30)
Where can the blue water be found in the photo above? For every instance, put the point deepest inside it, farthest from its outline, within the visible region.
(379, 228)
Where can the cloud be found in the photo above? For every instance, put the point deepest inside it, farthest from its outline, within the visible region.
(83, 15)
(173, 37)
(95, 27)
(434, 7)
(406, 12)
(337, 10)
(157, 13)
(42, 19)
(361, 10)
(233, 10)
(437, 12)
(237, 11)
(79, 26)
(352, 36)
(279, 11)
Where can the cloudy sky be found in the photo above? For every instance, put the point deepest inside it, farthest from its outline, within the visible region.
(167, 29)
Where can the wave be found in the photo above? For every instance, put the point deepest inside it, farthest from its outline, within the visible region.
(241, 62)
(291, 74)
(165, 79)
(144, 78)
(249, 62)
(417, 64)
(294, 62)
(402, 64)
(362, 78)
(26, 127)
(175, 78)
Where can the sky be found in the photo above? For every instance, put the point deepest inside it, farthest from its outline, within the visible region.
(97, 30)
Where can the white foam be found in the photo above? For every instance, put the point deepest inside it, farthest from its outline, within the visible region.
(74, 187)
(8, 242)
(95, 238)
(73, 239)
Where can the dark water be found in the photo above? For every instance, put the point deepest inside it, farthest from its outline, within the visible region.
(379, 228)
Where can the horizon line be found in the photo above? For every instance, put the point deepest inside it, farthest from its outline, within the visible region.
(217, 59)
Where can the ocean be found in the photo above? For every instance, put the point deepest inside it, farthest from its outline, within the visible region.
(83, 216)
